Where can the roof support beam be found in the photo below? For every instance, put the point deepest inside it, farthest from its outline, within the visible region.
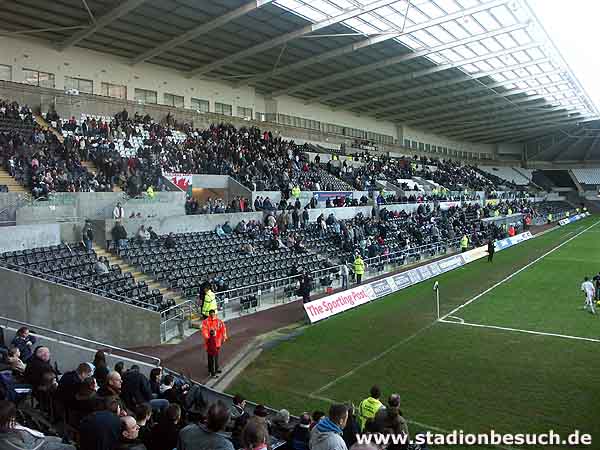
(395, 60)
(414, 75)
(524, 134)
(103, 21)
(371, 41)
(284, 38)
(438, 85)
(475, 100)
(380, 112)
(484, 129)
(200, 30)
(588, 152)
(473, 122)
(554, 149)
(554, 116)
(494, 105)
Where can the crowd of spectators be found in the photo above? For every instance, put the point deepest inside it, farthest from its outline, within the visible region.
(96, 407)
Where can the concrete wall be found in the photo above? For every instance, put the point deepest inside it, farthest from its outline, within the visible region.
(176, 224)
(98, 205)
(99, 67)
(33, 300)
(21, 237)
(9, 202)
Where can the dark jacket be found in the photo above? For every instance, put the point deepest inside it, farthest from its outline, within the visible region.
(68, 386)
(164, 436)
(35, 370)
(135, 389)
(99, 431)
(21, 344)
(300, 437)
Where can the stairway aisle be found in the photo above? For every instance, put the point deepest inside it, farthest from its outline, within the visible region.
(139, 276)
(12, 184)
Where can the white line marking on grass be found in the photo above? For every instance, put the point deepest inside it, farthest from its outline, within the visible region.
(373, 359)
(454, 319)
(518, 330)
(504, 280)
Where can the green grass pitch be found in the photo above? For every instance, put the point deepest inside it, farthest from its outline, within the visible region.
(454, 376)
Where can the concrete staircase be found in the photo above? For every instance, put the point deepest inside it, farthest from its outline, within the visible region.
(12, 184)
(139, 276)
(46, 126)
(91, 167)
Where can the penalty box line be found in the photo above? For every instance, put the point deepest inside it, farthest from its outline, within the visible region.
(518, 330)
(509, 277)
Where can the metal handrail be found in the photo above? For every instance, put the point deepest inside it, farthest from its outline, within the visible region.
(87, 341)
(67, 283)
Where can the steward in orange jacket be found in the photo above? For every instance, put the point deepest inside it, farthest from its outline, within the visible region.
(214, 333)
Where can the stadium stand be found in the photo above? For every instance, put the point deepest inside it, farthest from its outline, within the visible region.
(75, 266)
(510, 174)
(589, 177)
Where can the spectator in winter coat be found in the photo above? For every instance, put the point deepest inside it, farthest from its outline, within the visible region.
(301, 434)
(326, 435)
(24, 342)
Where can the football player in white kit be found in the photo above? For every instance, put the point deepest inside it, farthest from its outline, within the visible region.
(588, 288)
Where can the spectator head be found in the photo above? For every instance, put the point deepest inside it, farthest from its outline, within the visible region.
(99, 359)
(239, 400)
(317, 415)
(212, 313)
(143, 412)
(169, 380)
(173, 413)
(43, 353)
(113, 379)
(255, 434)
(134, 368)
(282, 417)
(338, 414)
(261, 411)
(304, 420)
(394, 401)
(14, 352)
(110, 403)
(586, 279)
(88, 386)
(8, 416)
(129, 428)
(218, 416)
(155, 374)
(375, 392)
(119, 367)
(23, 332)
(84, 371)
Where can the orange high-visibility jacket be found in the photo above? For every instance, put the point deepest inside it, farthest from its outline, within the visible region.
(220, 330)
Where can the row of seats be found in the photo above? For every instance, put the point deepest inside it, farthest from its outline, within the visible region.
(75, 266)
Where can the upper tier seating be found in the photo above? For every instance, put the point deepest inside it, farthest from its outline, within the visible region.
(588, 176)
(507, 173)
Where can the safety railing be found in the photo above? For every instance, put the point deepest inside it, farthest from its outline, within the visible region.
(252, 297)
(60, 337)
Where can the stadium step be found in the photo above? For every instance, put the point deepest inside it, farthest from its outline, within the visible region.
(12, 184)
(46, 126)
(91, 167)
(139, 276)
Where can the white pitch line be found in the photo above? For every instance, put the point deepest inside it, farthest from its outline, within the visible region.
(518, 330)
(504, 280)
(373, 359)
